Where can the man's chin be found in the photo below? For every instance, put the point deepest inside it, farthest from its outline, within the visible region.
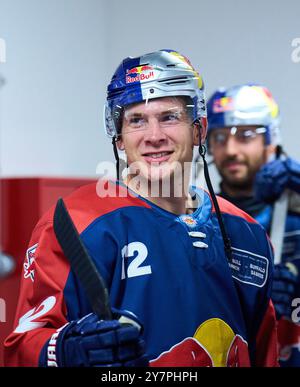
(159, 175)
(237, 180)
(159, 179)
(156, 172)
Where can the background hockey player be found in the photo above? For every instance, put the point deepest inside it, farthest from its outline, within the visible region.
(194, 273)
(244, 140)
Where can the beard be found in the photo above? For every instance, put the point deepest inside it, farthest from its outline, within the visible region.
(238, 171)
(242, 181)
(245, 183)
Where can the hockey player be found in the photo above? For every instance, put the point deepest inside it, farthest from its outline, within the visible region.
(194, 278)
(244, 140)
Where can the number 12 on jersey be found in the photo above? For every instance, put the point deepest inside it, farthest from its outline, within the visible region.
(140, 253)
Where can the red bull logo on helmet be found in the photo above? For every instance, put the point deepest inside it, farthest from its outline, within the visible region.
(139, 74)
(223, 104)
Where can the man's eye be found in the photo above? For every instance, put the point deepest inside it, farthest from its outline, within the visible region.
(246, 134)
(136, 121)
(220, 138)
(170, 117)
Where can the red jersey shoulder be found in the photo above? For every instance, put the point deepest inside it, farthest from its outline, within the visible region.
(91, 201)
(228, 208)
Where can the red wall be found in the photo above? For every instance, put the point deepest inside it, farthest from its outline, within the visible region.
(22, 203)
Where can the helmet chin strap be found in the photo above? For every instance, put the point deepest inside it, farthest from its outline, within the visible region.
(114, 143)
(226, 240)
(120, 163)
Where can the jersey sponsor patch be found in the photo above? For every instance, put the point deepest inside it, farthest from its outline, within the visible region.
(249, 268)
(28, 264)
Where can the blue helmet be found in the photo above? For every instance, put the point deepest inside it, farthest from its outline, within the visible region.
(248, 104)
(164, 73)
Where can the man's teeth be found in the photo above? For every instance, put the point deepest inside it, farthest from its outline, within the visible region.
(157, 155)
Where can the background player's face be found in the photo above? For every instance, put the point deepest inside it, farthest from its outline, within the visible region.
(238, 162)
(158, 136)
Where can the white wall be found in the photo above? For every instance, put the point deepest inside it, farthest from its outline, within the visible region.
(61, 53)
(51, 105)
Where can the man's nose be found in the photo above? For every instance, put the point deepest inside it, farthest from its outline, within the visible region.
(231, 146)
(154, 132)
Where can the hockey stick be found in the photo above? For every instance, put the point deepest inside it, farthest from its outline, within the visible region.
(280, 211)
(278, 225)
(80, 261)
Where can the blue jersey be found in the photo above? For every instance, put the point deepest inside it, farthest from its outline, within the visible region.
(288, 331)
(196, 307)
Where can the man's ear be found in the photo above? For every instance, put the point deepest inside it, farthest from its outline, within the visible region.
(269, 151)
(203, 132)
(120, 144)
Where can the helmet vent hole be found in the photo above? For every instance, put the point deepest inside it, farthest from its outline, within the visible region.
(175, 81)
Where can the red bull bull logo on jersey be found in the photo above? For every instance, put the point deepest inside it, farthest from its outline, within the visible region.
(214, 344)
(288, 340)
(139, 74)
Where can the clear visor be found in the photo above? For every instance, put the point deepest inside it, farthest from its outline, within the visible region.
(242, 134)
(168, 113)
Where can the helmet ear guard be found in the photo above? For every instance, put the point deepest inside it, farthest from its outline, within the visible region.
(112, 120)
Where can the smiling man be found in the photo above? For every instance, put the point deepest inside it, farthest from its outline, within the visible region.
(242, 120)
(244, 140)
(193, 271)
(238, 165)
(159, 143)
